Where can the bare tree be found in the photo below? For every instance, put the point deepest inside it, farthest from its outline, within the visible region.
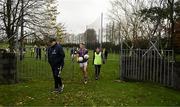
(31, 16)
(131, 24)
(14, 14)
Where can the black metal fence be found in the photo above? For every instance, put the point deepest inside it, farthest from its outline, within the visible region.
(148, 65)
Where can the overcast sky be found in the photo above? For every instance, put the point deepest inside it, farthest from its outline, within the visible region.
(76, 14)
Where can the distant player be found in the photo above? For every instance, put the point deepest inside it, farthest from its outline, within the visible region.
(82, 59)
(38, 52)
(32, 52)
(73, 54)
(105, 54)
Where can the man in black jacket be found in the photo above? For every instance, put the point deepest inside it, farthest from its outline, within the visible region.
(56, 60)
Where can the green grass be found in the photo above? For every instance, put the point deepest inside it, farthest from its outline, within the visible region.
(37, 83)
(3, 45)
(177, 57)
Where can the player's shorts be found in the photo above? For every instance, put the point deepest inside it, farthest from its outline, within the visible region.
(84, 64)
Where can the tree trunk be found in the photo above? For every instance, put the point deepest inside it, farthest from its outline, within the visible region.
(22, 30)
(8, 30)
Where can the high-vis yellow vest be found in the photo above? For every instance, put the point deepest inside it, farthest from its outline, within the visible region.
(97, 59)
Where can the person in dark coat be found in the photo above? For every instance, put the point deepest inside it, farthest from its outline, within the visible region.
(56, 60)
(38, 52)
(73, 53)
(105, 54)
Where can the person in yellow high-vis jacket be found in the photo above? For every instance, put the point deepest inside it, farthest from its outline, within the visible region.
(97, 61)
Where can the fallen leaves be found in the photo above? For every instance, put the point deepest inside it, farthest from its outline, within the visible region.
(23, 100)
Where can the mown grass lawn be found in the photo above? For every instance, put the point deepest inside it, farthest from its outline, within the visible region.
(36, 83)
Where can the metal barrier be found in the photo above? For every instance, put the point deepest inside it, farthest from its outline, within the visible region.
(31, 66)
(148, 65)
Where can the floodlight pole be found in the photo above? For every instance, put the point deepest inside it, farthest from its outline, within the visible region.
(86, 41)
(101, 30)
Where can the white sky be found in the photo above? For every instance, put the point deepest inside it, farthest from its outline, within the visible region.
(76, 14)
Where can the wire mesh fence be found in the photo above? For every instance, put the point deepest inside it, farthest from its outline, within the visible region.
(31, 67)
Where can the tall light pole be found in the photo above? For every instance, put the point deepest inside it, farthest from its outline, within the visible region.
(86, 36)
(101, 30)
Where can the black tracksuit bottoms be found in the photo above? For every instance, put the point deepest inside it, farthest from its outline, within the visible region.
(97, 70)
(57, 77)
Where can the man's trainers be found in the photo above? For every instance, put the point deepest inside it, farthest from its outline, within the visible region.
(56, 90)
(61, 88)
(85, 82)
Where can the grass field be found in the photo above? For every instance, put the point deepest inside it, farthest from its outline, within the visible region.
(37, 82)
(177, 57)
(3, 45)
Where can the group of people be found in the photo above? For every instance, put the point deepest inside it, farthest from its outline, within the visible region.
(56, 57)
(36, 52)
